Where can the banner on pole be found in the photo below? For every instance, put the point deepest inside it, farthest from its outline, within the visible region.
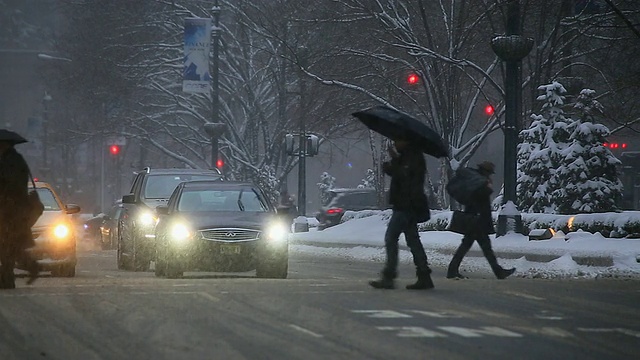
(197, 44)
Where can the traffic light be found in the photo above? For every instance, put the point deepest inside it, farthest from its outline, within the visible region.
(489, 110)
(413, 79)
(220, 163)
(313, 145)
(114, 149)
(288, 144)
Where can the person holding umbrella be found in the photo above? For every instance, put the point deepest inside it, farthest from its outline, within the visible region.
(15, 232)
(407, 169)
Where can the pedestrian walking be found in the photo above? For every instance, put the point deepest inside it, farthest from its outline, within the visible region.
(480, 205)
(409, 206)
(15, 231)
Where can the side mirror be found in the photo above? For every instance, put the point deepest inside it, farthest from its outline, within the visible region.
(129, 199)
(162, 210)
(72, 209)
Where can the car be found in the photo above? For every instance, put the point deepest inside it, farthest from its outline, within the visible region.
(55, 234)
(109, 227)
(149, 188)
(343, 200)
(92, 228)
(221, 227)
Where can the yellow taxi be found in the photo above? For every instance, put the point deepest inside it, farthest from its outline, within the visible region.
(55, 234)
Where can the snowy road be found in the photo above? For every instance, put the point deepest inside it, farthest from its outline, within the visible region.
(323, 311)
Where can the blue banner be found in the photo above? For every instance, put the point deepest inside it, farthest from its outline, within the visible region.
(197, 44)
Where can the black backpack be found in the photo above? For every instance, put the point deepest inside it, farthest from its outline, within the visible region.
(464, 184)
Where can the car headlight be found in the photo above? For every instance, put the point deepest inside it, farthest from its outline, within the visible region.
(147, 218)
(180, 233)
(277, 232)
(61, 231)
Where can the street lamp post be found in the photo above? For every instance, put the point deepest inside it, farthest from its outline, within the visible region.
(511, 48)
(45, 130)
(215, 128)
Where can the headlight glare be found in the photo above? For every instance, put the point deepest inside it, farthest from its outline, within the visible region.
(147, 218)
(180, 233)
(61, 231)
(277, 232)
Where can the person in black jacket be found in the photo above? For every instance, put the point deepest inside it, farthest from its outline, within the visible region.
(481, 206)
(15, 232)
(409, 203)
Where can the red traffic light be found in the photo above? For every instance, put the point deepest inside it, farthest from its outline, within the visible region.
(413, 79)
(489, 110)
(114, 149)
(220, 163)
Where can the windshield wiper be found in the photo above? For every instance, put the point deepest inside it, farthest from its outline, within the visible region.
(240, 205)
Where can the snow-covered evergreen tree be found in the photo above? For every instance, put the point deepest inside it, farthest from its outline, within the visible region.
(369, 180)
(539, 152)
(327, 182)
(587, 177)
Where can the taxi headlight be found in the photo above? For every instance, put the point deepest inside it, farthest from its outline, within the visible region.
(277, 233)
(61, 231)
(180, 233)
(147, 218)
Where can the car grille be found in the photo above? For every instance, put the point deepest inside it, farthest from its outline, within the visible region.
(230, 234)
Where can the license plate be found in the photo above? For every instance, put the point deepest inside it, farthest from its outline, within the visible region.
(230, 249)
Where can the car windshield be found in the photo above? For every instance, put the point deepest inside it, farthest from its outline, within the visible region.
(161, 186)
(48, 200)
(245, 199)
(356, 199)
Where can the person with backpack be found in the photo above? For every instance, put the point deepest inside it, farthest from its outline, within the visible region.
(478, 202)
(409, 203)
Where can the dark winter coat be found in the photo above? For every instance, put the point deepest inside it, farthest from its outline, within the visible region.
(406, 192)
(481, 205)
(15, 233)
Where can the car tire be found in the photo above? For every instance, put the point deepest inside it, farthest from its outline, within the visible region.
(121, 258)
(104, 245)
(161, 263)
(273, 269)
(140, 262)
(172, 270)
(66, 270)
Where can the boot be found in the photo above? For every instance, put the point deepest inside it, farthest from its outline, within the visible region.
(504, 273)
(383, 283)
(424, 281)
(7, 281)
(34, 272)
(456, 276)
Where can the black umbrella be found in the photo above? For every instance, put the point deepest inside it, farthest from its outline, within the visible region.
(398, 125)
(11, 137)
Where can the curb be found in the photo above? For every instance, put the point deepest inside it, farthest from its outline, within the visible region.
(600, 261)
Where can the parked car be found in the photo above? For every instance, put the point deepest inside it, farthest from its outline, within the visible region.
(343, 200)
(109, 227)
(222, 227)
(150, 188)
(55, 234)
(91, 228)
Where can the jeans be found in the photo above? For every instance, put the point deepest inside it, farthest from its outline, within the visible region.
(403, 222)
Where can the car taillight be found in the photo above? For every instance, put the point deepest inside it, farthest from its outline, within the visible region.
(334, 211)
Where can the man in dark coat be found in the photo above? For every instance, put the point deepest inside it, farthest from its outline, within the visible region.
(409, 203)
(481, 205)
(15, 232)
